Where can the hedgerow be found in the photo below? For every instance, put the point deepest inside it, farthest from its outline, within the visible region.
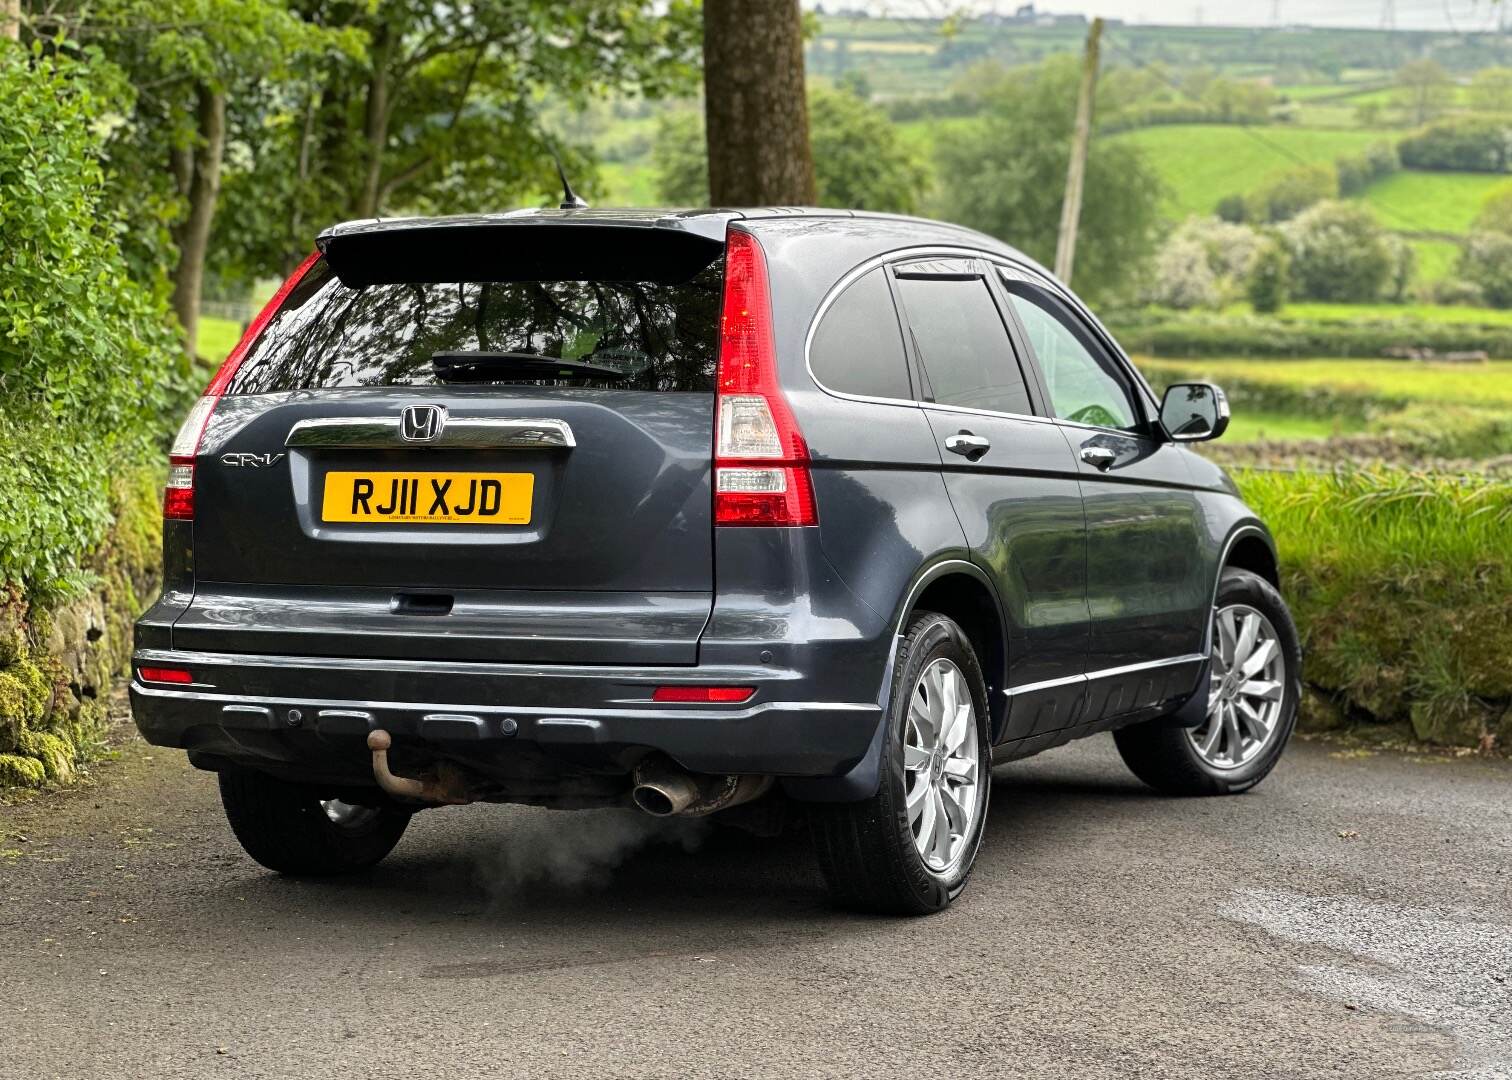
(1401, 584)
(86, 353)
(87, 356)
(1197, 334)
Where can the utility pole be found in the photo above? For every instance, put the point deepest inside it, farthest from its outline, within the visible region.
(1076, 171)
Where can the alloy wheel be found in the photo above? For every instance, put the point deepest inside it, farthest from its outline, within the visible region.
(1247, 687)
(941, 765)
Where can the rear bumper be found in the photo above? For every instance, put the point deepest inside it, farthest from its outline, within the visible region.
(307, 717)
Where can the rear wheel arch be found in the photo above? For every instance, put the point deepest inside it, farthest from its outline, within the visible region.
(961, 592)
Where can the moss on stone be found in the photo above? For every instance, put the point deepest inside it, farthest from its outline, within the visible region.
(59, 655)
(18, 771)
(54, 752)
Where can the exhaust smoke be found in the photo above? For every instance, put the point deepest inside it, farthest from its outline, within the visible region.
(574, 849)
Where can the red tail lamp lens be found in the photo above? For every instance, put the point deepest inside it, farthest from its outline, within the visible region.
(761, 471)
(165, 675)
(704, 695)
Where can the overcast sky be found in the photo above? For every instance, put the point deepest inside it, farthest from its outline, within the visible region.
(1462, 15)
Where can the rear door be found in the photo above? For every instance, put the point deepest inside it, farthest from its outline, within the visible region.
(399, 469)
(1147, 585)
(1012, 481)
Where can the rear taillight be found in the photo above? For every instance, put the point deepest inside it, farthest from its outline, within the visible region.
(178, 495)
(761, 463)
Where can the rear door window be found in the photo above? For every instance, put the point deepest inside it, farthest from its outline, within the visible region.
(632, 335)
(858, 346)
(963, 345)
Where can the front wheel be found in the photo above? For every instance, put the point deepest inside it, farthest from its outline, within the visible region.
(1255, 685)
(292, 830)
(909, 849)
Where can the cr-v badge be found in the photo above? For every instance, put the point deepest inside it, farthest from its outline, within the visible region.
(253, 461)
(422, 423)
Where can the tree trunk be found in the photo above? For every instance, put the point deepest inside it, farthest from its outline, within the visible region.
(203, 190)
(375, 122)
(10, 19)
(755, 108)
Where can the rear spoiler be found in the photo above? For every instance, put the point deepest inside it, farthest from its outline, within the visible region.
(505, 248)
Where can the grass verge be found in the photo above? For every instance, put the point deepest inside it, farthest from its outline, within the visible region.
(1401, 584)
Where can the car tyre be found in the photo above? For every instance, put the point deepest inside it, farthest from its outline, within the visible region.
(289, 829)
(1225, 755)
(871, 852)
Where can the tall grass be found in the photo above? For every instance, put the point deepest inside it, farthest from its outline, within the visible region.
(1402, 587)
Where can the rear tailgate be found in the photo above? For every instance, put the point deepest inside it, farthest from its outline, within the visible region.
(353, 499)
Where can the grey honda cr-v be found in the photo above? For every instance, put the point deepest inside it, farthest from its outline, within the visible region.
(705, 513)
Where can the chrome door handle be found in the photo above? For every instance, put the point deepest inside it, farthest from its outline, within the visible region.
(967, 445)
(1099, 457)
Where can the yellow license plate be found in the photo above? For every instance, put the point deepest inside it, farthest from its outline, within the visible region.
(455, 498)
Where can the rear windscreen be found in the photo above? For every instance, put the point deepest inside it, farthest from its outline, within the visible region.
(622, 335)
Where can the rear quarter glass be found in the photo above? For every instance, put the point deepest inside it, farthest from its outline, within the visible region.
(327, 334)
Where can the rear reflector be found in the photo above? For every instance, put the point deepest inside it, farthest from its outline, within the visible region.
(164, 675)
(761, 472)
(703, 695)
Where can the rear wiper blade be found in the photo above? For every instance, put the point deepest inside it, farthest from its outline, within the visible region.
(484, 364)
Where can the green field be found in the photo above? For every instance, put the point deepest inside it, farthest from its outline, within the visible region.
(1435, 258)
(1201, 163)
(1247, 426)
(217, 337)
(1430, 201)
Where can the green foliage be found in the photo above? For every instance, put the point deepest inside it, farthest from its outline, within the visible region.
(859, 161)
(85, 352)
(1007, 175)
(1356, 172)
(1199, 334)
(680, 159)
(1463, 145)
(1495, 214)
(1287, 194)
(1486, 262)
(1424, 89)
(1339, 252)
(1231, 208)
(458, 120)
(1269, 282)
(1491, 90)
(1401, 585)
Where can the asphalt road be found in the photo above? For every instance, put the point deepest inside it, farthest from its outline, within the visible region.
(1351, 918)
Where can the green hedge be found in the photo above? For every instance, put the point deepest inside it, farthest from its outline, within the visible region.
(87, 355)
(1198, 334)
(1402, 588)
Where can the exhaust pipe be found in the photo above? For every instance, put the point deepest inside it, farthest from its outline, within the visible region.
(662, 788)
(448, 786)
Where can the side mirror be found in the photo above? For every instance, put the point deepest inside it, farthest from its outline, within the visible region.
(1194, 412)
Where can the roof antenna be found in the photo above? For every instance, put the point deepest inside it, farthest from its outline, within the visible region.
(571, 200)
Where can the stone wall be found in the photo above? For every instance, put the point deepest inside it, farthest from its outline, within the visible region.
(60, 656)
